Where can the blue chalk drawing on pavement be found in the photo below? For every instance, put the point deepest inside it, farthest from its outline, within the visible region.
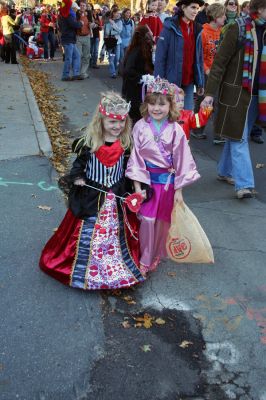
(41, 185)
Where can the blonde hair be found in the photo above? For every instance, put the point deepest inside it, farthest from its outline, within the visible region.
(214, 11)
(115, 104)
(151, 98)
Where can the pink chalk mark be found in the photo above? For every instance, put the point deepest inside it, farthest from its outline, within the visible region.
(231, 301)
(263, 339)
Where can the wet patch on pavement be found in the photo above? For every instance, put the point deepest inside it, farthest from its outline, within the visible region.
(151, 354)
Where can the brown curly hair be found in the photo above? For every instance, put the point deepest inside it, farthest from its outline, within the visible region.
(142, 38)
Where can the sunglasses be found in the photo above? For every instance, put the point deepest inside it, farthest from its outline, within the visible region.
(231, 3)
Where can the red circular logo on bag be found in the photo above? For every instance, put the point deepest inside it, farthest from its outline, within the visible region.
(179, 248)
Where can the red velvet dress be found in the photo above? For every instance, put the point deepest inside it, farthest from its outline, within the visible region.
(96, 245)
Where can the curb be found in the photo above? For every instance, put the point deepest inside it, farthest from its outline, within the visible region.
(40, 129)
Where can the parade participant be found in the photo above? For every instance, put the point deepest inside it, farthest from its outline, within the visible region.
(239, 72)
(96, 246)
(179, 57)
(161, 159)
(152, 20)
(187, 118)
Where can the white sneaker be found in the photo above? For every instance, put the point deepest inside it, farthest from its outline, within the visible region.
(244, 194)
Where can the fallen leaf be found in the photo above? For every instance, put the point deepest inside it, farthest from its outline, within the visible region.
(85, 114)
(146, 348)
(129, 300)
(126, 324)
(172, 274)
(138, 325)
(146, 320)
(260, 165)
(160, 321)
(45, 208)
(55, 229)
(185, 344)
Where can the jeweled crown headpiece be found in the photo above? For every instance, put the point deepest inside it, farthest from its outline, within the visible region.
(114, 106)
(158, 85)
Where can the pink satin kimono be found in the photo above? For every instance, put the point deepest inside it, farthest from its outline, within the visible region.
(152, 157)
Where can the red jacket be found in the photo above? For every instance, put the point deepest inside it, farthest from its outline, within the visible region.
(154, 23)
(189, 120)
(45, 21)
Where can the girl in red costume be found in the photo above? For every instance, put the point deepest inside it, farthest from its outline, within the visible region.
(187, 118)
(96, 245)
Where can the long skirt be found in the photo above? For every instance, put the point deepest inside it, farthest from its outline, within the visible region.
(98, 252)
(155, 219)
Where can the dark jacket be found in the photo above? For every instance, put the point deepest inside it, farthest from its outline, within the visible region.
(85, 201)
(226, 77)
(68, 27)
(134, 68)
(169, 53)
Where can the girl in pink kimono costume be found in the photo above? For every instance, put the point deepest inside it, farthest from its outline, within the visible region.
(161, 158)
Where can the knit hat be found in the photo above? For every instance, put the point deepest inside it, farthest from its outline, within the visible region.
(188, 2)
(75, 6)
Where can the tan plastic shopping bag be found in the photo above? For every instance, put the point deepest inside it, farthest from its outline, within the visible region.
(187, 241)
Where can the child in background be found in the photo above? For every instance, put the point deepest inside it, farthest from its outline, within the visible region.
(152, 20)
(187, 118)
(96, 247)
(210, 40)
(161, 160)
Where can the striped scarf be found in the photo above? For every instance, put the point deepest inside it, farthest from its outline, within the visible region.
(248, 65)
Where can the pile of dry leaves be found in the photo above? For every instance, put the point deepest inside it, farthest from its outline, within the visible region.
(46, 96)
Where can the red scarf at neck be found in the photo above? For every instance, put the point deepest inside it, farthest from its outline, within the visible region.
(109, 155)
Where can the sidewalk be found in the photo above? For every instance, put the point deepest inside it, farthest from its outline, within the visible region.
(63, 344)
(20, 115)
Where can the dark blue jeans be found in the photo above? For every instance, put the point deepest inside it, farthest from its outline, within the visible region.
(48, 37)
(94, 51)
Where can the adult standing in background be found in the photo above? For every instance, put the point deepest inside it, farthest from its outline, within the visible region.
(8, 24)
(179, 57)
(232, 13)
(239, 72)
(113, 28)
(244, 9)
(84, 37)
(201, 17)
(95, 39)
(210, 40)
(68, 26)
(162, 4)
(137, 62)
(48, 21)
(127, 31)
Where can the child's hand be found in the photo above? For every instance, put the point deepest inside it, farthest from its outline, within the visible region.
(143, 194)
(178, 196)
(79, 182)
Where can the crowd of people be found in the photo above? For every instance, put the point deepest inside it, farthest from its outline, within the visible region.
(177, 68)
